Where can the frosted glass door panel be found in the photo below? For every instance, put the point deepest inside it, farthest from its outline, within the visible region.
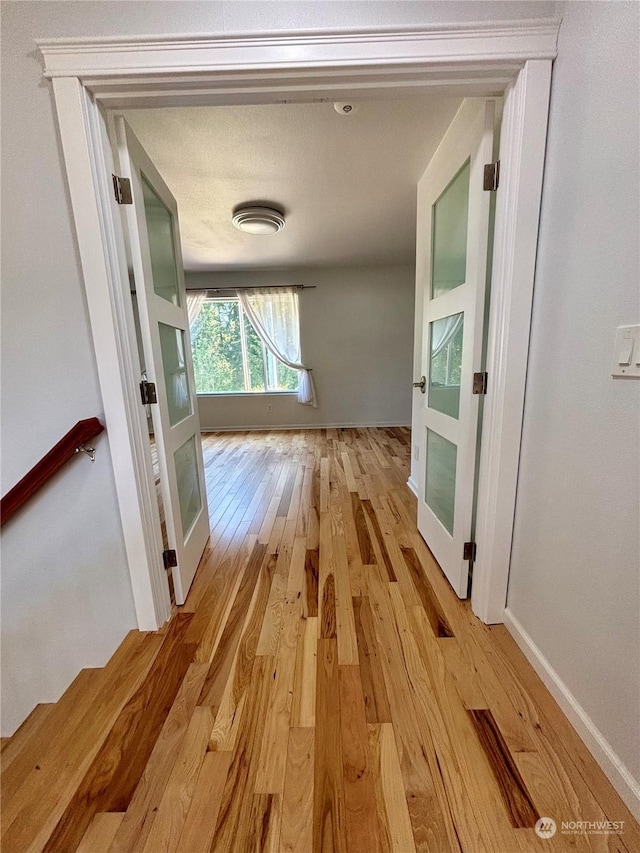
(175, 373)
(161, 246)
(445, 364)
(188, 484)
(449, 236)
(440, 490)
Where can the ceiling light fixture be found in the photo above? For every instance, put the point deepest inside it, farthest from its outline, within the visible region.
(258, 220)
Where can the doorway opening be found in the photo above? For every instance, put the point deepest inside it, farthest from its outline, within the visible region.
(346, 184)
(513, 60)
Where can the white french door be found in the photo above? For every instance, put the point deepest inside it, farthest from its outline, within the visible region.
(156, 258)
(452, 243)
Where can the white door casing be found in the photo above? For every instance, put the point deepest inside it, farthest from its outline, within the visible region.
(510, 58)
(444, 521)
(164, 325)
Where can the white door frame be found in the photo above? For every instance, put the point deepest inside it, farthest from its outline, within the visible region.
(91, 75)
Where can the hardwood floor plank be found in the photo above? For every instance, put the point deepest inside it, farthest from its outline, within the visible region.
(271, 769)
(216, 604)
(394, 822)
(383, 554)
(435, 615)
(272, 623)
(101, 832)
(200, 823)
(328, 624)
(138, 819)
(172, 812)
(228, 713)
(311, 575)
(328, 802)
(303, 710)
(264, 824)
(517, 798)
(364, 539)
(373, 685)
(345, 623)
(213, 687)
(296, 835)
(361, 816)
(233, 818)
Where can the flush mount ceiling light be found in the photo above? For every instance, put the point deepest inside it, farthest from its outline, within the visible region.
(258, 220)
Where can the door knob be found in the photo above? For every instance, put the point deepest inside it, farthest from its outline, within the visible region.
(422, 384)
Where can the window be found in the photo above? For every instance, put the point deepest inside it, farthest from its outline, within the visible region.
(446, 366)
(229, 357)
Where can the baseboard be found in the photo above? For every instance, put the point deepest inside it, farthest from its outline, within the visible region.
(267, 427)
(615, 770)
(413, 486)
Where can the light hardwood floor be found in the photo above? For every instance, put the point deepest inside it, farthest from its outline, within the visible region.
(322, 689)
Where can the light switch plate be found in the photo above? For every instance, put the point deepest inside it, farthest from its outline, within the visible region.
(626, 352)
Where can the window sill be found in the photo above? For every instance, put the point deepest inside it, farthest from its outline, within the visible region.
(247, 394)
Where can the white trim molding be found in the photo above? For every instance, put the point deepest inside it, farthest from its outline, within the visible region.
(111, 317)
(465, 44)
(413, 486)
(522, 150)
(92, 76)
(615, 770)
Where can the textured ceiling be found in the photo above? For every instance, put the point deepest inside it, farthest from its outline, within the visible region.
(347, 184)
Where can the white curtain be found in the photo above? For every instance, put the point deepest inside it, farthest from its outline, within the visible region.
(195, 300)
(443, 331)
(273, 313)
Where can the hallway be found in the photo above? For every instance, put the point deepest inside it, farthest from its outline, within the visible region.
(322, 689)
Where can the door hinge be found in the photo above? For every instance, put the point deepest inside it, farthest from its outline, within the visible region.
(122, 190)
(492, 176)
(469, 551)
(480, 383)
(170, 559)
(148, 393)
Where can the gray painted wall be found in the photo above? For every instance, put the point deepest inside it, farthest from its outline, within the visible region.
(356, 330)
(574, 578)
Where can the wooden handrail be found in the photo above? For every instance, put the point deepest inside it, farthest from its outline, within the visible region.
(47, 466)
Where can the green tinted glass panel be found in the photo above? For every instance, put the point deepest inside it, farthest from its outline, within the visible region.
(440, 490)
(164, 268)
(449, 237)
(445, 364)
(174, 366)
(189, 497)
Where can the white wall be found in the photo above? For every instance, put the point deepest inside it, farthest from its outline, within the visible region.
(574, 579)
(66, 586)
(356, 329)
(66, 594)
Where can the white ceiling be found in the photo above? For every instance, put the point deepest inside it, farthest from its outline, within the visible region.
(347, 184)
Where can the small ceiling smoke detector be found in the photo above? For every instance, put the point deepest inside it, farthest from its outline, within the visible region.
(345, 109)
(258, 220)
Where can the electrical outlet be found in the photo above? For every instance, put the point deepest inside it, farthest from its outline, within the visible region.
(269, 407)
(416, 452)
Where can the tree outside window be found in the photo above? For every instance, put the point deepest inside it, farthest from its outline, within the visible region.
(229, 357)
